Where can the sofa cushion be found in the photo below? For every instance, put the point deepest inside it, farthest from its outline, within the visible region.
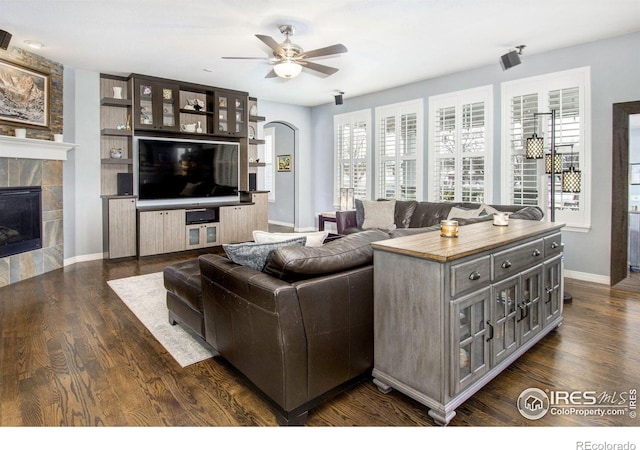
(428, 214)
(528, 213)
(351, 251)
(463, 213)
(314, 238)
(400, 232)
(254, 255)
(379, 214)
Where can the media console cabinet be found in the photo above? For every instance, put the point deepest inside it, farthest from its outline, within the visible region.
(451, 313)
(133, 230)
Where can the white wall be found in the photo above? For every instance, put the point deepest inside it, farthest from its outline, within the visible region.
(81, 184)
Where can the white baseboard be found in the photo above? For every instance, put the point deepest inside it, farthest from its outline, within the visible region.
(583, 276)
(84, 258)
(282, 224)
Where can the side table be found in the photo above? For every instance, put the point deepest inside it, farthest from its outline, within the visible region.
(326, 217)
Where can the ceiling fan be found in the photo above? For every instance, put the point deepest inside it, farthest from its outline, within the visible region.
(289, 58)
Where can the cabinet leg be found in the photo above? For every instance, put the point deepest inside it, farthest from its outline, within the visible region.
(441, 419)
(382, 387)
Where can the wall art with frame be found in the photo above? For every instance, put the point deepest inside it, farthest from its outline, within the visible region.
(284, 163)
(24, 95)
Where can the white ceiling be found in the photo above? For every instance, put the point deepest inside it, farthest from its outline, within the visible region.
(390, 42)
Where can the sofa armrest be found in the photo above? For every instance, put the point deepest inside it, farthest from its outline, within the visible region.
(258, 328)
(346, 222)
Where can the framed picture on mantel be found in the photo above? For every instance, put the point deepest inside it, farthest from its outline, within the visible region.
(24, 95)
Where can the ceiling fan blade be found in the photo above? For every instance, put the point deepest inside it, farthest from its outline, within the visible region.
(326, 51)
(271, 74)
(272, 44)
(319, 67)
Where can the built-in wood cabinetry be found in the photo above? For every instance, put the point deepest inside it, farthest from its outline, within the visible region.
(141, 105)
(120, 226)
(161, 231)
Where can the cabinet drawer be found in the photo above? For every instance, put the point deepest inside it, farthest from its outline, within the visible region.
(552, 245)
(473, 274)
(514, 260)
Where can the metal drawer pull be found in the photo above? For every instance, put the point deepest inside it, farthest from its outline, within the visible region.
(549, 292)
(475, 275)
(554, 244)
(506, 264)
(490, 331)
(536, 252)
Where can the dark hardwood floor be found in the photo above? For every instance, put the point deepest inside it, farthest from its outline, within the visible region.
(73, 354)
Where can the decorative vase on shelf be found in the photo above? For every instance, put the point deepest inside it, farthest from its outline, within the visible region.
(199, 129)
(117, 92)
(116, 153)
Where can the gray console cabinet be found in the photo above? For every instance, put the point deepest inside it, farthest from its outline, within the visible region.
(451, 314)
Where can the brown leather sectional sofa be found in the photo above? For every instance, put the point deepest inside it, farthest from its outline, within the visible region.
(416, 217)
(302, 329)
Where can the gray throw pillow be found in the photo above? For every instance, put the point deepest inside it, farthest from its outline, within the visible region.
(379, 215)
(254, 255)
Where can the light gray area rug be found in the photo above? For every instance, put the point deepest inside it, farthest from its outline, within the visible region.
(145, 295)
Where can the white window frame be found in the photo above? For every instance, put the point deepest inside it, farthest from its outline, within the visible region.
(398, 109)
(458, 99)
(542, 85)
(269, 162)
(350, 118)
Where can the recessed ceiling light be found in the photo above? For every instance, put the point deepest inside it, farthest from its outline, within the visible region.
(34, 44)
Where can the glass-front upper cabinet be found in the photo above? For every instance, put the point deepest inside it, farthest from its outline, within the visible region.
(231, 114)
(156, 105)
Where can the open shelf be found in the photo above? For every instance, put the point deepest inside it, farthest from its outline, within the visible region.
(116, 161)
(257, 118)
(121, 102)
(114, 132)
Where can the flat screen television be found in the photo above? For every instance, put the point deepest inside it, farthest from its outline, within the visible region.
(173, 171)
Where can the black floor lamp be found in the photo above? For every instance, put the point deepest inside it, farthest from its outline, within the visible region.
(571, 178)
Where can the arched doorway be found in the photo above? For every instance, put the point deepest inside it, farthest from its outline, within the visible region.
(282, 209)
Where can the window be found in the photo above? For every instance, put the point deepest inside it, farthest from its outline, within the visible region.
(399, 151)
(460, 146)
(524, 181)
(352, 134)
(269, 167)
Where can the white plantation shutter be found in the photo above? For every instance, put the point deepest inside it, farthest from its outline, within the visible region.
(523, 174)
(460, 146)
(397, 148)
(526, 182)
(352, 133)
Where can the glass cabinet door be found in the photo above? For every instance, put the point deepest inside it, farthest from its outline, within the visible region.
(155, 105)
(469, 349)
(230, 114)
(239, 111)
(552, 303)
(530, 314)
(211, 234)
(145, 105)
(222, 103)
(505, 296)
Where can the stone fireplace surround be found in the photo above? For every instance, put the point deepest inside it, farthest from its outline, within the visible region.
(35, 162)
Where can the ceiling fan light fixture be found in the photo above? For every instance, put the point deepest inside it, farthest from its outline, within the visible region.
(287, 69)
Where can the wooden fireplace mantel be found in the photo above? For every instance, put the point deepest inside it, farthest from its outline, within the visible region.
(13, 147)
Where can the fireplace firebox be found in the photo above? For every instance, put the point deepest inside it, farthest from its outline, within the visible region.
(20, 220)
